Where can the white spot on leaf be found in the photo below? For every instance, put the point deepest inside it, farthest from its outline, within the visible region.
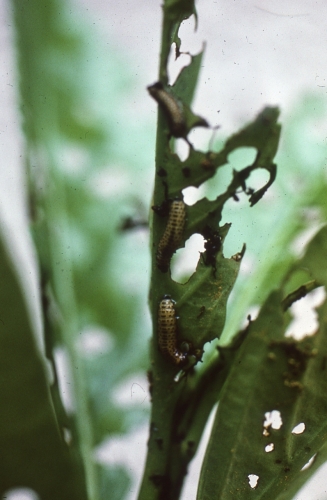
(253, 480)
(299, 429)
(272, 420)
(270, 447)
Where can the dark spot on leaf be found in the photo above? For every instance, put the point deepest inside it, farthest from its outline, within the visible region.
(162, 172)
(186, 172)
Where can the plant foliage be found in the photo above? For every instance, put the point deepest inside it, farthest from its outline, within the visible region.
(93, 280)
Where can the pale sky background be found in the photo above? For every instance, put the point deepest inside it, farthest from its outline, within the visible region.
(258, 53)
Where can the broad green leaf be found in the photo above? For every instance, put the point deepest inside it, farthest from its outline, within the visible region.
(33, 452)
(268, 374)
(271, 372)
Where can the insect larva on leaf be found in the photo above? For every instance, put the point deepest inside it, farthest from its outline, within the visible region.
(173, 234)
(167, 331)
(172, 107)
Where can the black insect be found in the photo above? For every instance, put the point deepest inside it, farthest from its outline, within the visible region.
(212, 246)
(167, 331)
(173, 233)
(172, 108)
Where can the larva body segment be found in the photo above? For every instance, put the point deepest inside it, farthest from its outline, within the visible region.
(172, 108)
(173, 234)
(167, 331)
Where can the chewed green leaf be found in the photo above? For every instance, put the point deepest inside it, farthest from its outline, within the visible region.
(32, 450)
(237, 434)
(201, 302)
(262, 134)
(185, 85)
(175, 12)
(271, 376)
(202, 309)
(311, 407)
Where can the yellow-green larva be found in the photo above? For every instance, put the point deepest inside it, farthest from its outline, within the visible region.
(173, 234)
(167, 331)
(172, 107)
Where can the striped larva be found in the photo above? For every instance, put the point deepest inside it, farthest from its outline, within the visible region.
(173, 234)
(172, 107)
(167, 331)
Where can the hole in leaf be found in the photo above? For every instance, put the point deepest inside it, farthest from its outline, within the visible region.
(299, 429)
(201, 137)
(182, 149)
(270, 447)
(192, 195)
(20, 494)
(273, 420)
(309, 462)
(251, 316)
(174, 65)
(253, 480)
(305, 321)
(221, 180)
(242, 157)
(191, 40)
(184, 261)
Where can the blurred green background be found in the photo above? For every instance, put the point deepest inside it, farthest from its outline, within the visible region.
(88, 153)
